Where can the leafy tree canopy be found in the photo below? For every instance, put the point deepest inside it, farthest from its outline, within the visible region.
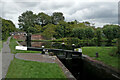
(7, 27)
(57, 16)
(43, 19)
(26, 21)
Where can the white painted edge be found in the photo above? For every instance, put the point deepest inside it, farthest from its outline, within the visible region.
(21, 48)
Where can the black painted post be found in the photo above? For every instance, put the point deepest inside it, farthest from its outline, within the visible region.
(73, 46)
(43, 52)
(28, 40)
(97, 55)
(63, 47)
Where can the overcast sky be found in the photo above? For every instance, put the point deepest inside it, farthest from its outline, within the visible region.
(100, 12)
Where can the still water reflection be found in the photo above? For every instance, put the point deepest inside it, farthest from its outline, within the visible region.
(56, 45)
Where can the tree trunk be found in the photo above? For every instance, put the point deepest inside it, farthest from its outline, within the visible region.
(28, 40)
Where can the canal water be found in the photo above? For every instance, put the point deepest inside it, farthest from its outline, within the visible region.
(80, 68)
(83, 70)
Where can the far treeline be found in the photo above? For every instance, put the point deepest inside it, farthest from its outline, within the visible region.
(7, 27)
(55, 26)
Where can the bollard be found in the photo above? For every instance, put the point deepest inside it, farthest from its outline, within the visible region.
(73, 46)
(63, 46)
(43, 51)
(97, 55)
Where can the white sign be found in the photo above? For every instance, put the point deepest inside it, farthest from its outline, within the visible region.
(79, 50)
(21, 48)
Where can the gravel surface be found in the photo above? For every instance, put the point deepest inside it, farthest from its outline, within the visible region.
(35, 57)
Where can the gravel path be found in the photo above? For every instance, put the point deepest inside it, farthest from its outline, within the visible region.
(35, 57)
(6, 57)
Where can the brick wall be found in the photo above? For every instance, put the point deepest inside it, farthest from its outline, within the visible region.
(36, 37)
(19, 37)
(33, 37)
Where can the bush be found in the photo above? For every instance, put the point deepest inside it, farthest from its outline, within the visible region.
(71, 40)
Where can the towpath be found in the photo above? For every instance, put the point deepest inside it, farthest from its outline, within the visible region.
(7, 57)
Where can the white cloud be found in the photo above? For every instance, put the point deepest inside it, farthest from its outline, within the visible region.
(95, 11)
(60, 0)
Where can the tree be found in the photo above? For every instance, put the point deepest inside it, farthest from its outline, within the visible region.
(43, 19)
(49, 31)
(7, 27)
(118, 41)
(38, 28)
(75, 24)
(87, 23)
(26, 21)
(78, 32)
(82, 25)
(63, 29)
(32, 30)
(99, 36)
(89, 33)
(111, 32)
(57, 17)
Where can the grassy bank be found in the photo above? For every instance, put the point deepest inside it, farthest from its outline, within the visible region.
(31, 69)
(106, 54)
(13, 50)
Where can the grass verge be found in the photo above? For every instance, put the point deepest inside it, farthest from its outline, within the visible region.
(106, 54)
(13, 50)
(31, 69)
